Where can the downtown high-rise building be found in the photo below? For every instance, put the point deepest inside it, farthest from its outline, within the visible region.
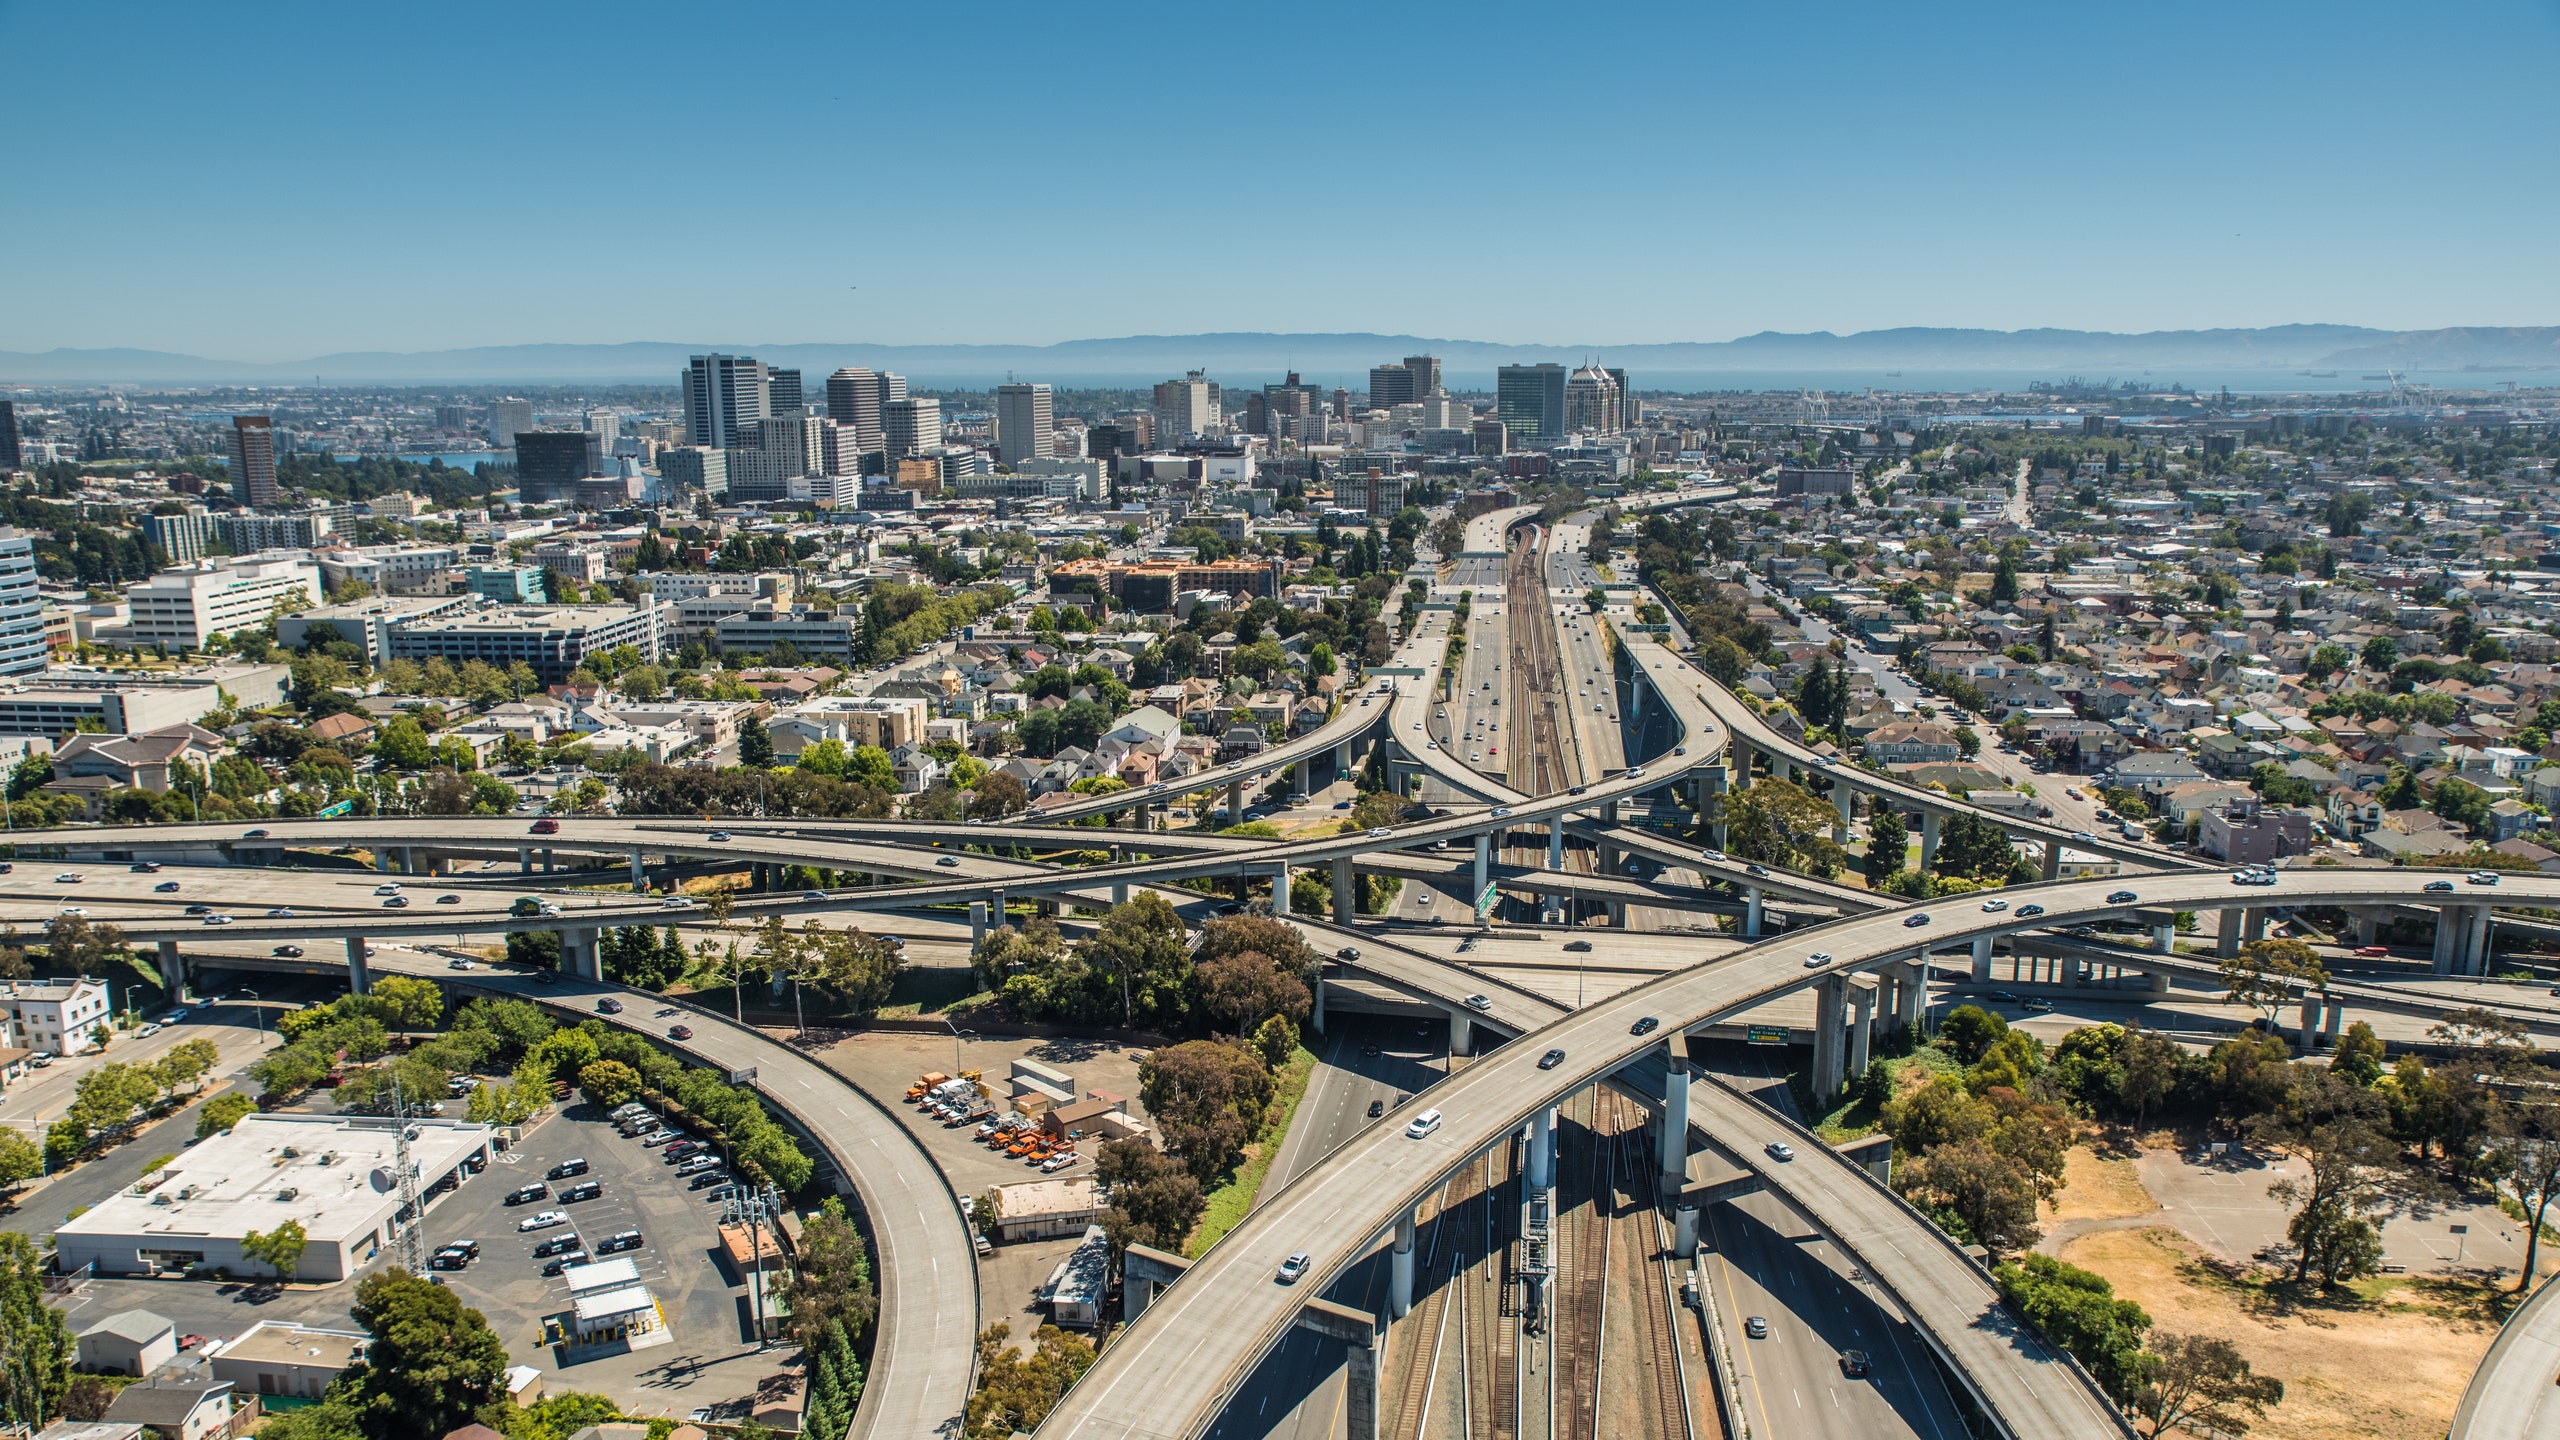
(856, 397)
(1529, 401)
(724, 396)
(1594, 402)
(782, 393)
(253, 461)
(9, 454)
(909, 426)
(1023, 422)
(22, 642)
(1187, 407)
(506, 417)
(1418, 378)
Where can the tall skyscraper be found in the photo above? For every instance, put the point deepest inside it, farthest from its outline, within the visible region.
(1390, 386)
(9, 436)
(855, 397)
(840, 447)
(253, 461)
(1425, 370)
(1023, 422)
(506, 417)
(1187, 407)
(22, 644)
(910, 426)
(782, 393)
(723, 395)
(1592, 402)
(606, 427)
(1630, 414)
(550, 463)
(1529, 401)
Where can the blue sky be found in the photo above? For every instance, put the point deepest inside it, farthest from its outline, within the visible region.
(268, 182)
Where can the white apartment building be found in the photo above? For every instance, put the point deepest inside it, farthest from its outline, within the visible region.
(856, 720)
(391, 569)
(182, 608)
(578, 560)
(22, 647)
(55, 1015)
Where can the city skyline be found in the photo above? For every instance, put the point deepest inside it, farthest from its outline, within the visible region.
(1831, 169)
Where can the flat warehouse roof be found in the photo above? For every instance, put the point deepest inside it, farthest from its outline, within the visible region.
(337, 1173)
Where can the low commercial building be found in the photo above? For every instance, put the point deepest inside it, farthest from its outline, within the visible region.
(765, 629)
(551, 639)
(367, 624)
(2249, 832)
(55, 1015)
(391, 569)
(506, 584)
(180, 609)
(609, 1303)
(888, 721)
(1150, 586)
(148, 761)
(129, 1342)
(331, 1174)
(278, 1357)
(1045, 1209)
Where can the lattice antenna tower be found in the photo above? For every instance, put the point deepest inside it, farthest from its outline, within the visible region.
(413, 1236)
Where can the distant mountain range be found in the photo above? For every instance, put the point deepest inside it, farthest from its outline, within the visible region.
(1244, 358)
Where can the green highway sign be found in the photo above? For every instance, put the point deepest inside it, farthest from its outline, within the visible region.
(1766, 1035)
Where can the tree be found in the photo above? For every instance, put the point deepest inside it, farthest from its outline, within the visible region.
(2325, 661)
(1155, 1201)
(1974, 846)
(2202, 1384)
(608, 1083)
(2079, 1312)
(1724, 661)
(1888, 844)
(1968, 741)
(1776, 823)
(2331, 1124)
(403, 746)
(2150, 1063)
(2527, 1165)
(1017, 1391)
(997, 795)
(1138, 949)
(222, 1112)
(2359, 1054)
(88, 1400)
(755, 745)
(2381, 653)
(36, 1347)
(20, 1160)
(1970, 1031)
(432, 1363)
(408, 1003)
(279, 1249)
(74, 945)
(2268, 974)
(1207, 1098)
(1989, 1197)
(833, 1285)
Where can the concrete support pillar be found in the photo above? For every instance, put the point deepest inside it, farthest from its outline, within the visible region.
(1928, 839)
(2226, 934)
(408, 860)
(1555, 843)
(1235, 802)
(590, 954)
(2164, 939)
(1462, 1033)
(359, 975)
(995, 909)
(1845, 800)
(2253, 924)
(1120, 892)
(2476, 941)
(1346, 895)
(977, 922)
(173, 970)
(2053, 859)
(1301, 786)
(1712, 781)
(1400, 1269)
(639, 874)
(1981, 959)
(1484, 867)
(1315, 1012)
(1862, 1001)
(1342, 760)
(549, 861)
(1541, 1150)
(1831, 997)
(1751, 912)
(2332, 1021)
(2368, 927)
(524, 859)
(1360, 1388)
(382, 860)
(1617, 913)
(1280, 891)
(1780, 767)
(1674, 1149)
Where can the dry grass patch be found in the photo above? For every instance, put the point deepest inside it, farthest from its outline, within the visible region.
(2098, 1187)
(2388, 1362)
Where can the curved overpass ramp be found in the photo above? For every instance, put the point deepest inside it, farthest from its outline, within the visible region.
(2512, 1395)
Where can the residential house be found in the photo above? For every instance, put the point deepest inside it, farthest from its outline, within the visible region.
(138, 762)
(176, 1409)
(2250, 832)
(1913, 744)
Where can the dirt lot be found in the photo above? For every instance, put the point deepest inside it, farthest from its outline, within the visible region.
(2390, 1368)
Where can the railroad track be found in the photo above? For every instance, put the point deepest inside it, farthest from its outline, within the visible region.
(1541, 761)
(1492, 1331)
(1639, 1244)
(1421, 1332)
(1582, 1265)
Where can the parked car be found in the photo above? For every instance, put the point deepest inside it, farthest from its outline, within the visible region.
(557, 1244)
(543, 1220)
(567, 1168)
(583, 1190)
(617, 1243)
(526, 1195)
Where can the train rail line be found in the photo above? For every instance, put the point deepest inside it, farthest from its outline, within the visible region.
(1542, 758)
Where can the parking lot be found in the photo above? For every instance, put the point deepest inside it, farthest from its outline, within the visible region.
(713, 1357)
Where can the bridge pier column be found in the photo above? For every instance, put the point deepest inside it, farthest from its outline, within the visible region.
(1541, 1150)
(1360, 1387)
(524, 859)
(2476, 940)
(549, 862)
(2164, 939)
(1462, 1034)
(2253, 924)
(1928, 839)
(1301, 785)
(1484, 867)
(1280, 891)
(2368, 928)
(1315, 1012)
(1675, 1115)
(1751, 913)
(1862, 1000)
(1235, 802)
(2336, 1016)
(2226, 934)
(1555, 843)
(590, 954)
(1830, 1001)
(2308, 1031)
(359, 976)
(1120, 893)
(1780, 767)
(2053, 859)
(1342, 760)
(1400, 1269)
(1846, 800)
(173, 970)
(1346, 899)
(1981, 959)
(382, 860)
(1712, 781)
(639, 874)
(977, 922)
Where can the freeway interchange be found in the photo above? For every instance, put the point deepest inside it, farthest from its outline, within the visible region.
(1200, 1340)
